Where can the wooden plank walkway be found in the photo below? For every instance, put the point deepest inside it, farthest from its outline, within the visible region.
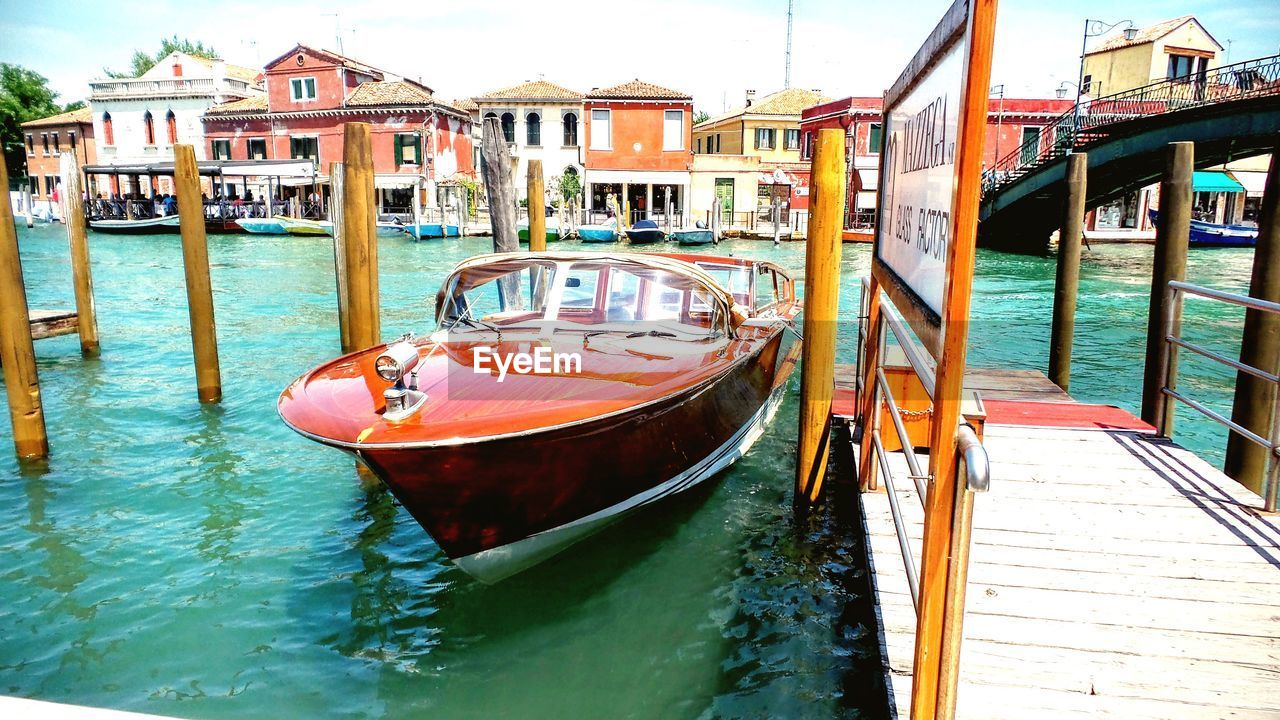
(992, 384)
(1113, 574)
(52, 323)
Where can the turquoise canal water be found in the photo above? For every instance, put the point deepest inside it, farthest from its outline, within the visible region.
(207, 562)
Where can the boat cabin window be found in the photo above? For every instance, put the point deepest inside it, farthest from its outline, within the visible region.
(734, 278)
(766, 288)
(581, 296)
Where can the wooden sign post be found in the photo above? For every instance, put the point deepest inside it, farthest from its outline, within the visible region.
(926, 229)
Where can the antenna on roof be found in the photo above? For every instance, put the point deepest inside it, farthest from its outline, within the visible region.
(786, 83)
(337, 30)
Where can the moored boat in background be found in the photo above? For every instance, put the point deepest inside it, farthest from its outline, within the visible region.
(262, 226)
(680, 363)
(299, 226)
(554, 232)
(693, 236)
(605, 233)
(141, 226)
(1207, 234)
(645, 232)
(426, 231)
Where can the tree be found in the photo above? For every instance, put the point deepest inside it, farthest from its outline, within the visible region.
(24, 96)
(701, 116)
(141, 62)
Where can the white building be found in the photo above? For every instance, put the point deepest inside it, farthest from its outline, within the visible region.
(139, 120)
(541, 121)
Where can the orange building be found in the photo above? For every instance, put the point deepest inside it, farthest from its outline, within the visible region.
(46, 139)
(638, 146)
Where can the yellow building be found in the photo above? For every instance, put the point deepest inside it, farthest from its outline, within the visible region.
(1178, 48)
(768, 129)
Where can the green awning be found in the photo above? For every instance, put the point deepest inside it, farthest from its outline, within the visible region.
(1213, 181)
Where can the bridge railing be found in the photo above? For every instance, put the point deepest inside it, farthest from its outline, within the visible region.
(1088, 121)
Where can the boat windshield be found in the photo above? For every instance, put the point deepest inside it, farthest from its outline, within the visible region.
(589, 296)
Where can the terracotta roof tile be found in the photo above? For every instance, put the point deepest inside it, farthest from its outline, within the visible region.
(464, 104)
(533, 90)
(376, 93)
(791, 101)
(1145, 35)
(638, 90)
(247, 105)
(83, 115)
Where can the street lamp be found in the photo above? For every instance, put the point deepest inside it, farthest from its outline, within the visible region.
(1094, 28)
(1062, 90)
(999, 115)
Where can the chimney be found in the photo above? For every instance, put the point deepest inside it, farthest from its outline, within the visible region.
(751, 97)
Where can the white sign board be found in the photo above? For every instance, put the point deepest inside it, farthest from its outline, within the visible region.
(918, 180)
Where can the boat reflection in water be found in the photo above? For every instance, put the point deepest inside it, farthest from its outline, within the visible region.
(558, 392)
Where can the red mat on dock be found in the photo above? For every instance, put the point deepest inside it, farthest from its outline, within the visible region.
(1062, 415)
(844, 403)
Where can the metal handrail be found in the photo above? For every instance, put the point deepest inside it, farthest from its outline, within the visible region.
(1173, 339)
(977, 466)
(913, 463)
(909, 348)
(899, 526)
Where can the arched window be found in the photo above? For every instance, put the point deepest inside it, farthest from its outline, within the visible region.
(570, 130)
(533, 129)
(148, 128)
(108, 132)
(509, 127)
(171, 122)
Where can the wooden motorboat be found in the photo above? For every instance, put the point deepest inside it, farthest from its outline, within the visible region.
(677, 372)
(554, 232)
(598, 233)
(644, 232)
(1207, 234)
(142, 226)
(693, 236)
(262, 226)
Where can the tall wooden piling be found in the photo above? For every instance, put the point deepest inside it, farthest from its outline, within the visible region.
(821, 298)
(78, 240)
(1255, 398)
(537, 208)
(337, 193)
(359, 237)
(1067, 285)
(17, 351)
(27, 203)
(195, 264)
(498, 184)
(1173, 232)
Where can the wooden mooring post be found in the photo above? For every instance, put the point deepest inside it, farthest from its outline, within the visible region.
(537, 207)
(337, 194)
(1173, 232)
(1255, 399)
(1067, 285)
(821, 300)
(78, 240)
(359, 237)
(17, 350)
(27, 203)
(498, 184)
(195, 265)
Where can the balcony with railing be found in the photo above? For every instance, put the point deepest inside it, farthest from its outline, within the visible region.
(172, 87)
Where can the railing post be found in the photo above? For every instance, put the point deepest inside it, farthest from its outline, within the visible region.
(1173, 229)
(17, 351)
(1068, 280)
(1255, 398)
(821, 301)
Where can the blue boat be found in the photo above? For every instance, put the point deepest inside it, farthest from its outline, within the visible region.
(426, 231)
(693, 236)
(645, 232)
(598, 233)
(1206, 234)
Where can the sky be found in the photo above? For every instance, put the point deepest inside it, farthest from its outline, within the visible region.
(713, 49)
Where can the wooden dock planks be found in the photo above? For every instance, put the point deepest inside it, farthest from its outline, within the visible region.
(1113, 574)
(52, 323)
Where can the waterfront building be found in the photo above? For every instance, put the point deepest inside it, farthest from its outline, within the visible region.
(1177, 48)
(638, 147)
(46, 140)
(767, 132)
(1012, 124)
(311, 93)
(540, 120)
(137, 121)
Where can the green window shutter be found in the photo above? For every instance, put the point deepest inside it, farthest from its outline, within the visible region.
(417, 148)
(399, 150)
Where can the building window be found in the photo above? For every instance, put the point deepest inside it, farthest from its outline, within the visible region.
(791, 139)
(302, 89)
(57, 146)
(509, 127)
(875, 136)
(673, 130)
(766, 138)
(697, 145)
(148, 129)
(601, 138)
(305, 148)
(71, 138)
(570, 130)
(533, 130)
(255, 148)
(44, 142)
(1180, 67)
(717, 143)
(31, 144)
(408, 149)
(171, 123)
(806, 150)
(1086, 84)
(50, 184)
(221, 149)
(108, 132)
(1030, 144)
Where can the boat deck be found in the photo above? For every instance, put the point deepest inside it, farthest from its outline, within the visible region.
(1112, 573)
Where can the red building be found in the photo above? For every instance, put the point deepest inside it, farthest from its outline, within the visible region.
(1011, 122)
(311, 93)
(45, 140)
(638, 146)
